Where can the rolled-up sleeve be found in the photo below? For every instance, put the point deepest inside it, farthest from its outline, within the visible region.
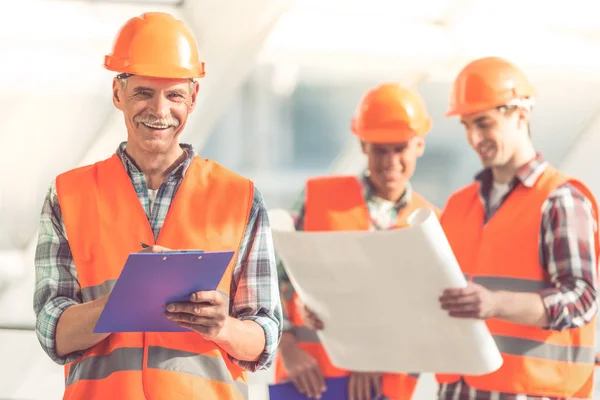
(568, 235)
(56, 284)
(254, 287)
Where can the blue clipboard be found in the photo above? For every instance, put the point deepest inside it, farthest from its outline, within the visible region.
(151, 280)
(337, 389)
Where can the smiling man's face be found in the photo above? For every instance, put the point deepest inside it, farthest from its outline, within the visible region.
(155, 110)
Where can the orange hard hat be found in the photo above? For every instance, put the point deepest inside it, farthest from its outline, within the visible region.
(155, 44)
(390, 113)
(487, 83)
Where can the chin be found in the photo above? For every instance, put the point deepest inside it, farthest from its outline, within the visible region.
(487, 163)
(394, 184)
(157, 145)
(493, 164)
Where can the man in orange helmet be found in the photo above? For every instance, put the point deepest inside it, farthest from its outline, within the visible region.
(391, 123)
(526, 236)
(157, 191)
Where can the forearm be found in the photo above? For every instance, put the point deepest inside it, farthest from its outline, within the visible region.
(255, 296)
(288, 339)
(75, 330)
(242, 340)
(521, 308)
(567, 242)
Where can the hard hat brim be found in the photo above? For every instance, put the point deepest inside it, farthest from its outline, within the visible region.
(474, 108)
(386, 136)
(156, 71)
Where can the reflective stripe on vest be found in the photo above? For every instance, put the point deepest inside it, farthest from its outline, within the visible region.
(100, 367)
(105, 222)
(305, 334)
(131, 359)
(90, 293)
(503, 254)
(511, 284)
(337, 204)
(546, 351)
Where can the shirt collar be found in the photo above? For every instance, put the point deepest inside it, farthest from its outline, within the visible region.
(527, 175)
(178, 172)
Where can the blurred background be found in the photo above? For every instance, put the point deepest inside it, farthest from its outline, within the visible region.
(283, 80)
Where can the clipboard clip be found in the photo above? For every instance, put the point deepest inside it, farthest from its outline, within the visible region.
(145, 246)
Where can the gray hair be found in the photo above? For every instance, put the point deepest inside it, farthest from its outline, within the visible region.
(122, 78)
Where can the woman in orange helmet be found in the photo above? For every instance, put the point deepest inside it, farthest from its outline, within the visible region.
(391, 123)
(526, 235)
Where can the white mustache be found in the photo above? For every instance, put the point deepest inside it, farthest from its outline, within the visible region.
(168, 121)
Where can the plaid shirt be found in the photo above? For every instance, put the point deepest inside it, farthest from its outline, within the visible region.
(566, 244)
(378, 222)
(254, 287)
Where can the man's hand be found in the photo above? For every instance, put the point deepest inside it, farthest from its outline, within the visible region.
(364, 386)
(474, 301)
(154, 249)
(302, 368)
(310, 319)
(205, 313)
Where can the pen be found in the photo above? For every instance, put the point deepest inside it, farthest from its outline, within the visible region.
(144, 245)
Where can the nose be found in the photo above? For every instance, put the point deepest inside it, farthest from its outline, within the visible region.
(160, 107)
(474, 136)
(392, 161)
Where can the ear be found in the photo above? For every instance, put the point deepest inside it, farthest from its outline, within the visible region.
(363, 147)
(195, 90)
(117, 94)
(419, 145)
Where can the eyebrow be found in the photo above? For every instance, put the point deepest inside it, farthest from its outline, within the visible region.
(178, 91)
(138, 89)
(479, 120)
(396, 147)
(142, 89)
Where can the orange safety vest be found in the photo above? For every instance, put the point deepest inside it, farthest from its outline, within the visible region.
(338, 204)
(105, 222)
(503, 254)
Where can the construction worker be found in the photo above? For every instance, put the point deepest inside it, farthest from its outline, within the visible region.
(525, 235)
(391, 123)
(156, 191)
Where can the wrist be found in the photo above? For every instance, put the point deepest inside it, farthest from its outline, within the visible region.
(500, 301)
(101, 302)
(288, 341)
(223, 338)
